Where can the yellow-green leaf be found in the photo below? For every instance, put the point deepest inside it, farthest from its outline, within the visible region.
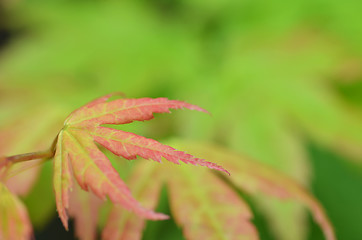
(256, 178)
(14, 220)
(206, 207)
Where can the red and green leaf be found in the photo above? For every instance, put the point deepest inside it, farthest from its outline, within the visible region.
(129, 145)
(77, 153)
(122, 111)
(91, 169)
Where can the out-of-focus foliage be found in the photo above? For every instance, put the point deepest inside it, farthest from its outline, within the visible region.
(276, 75)
(26, 131)
(205, 205)
(14, 220)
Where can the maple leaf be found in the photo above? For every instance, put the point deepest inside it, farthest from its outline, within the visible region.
(77, 153)
(254, 177)
(14, 220)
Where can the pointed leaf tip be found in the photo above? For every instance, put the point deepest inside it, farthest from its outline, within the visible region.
(129, 145)
(130, 226)
(121, 111)
(78, 156)
(93, 171)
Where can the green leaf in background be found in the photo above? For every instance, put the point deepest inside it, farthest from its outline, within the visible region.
(15, 223)
(213, 211)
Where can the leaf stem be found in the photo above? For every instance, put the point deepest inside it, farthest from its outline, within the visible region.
(29, 156)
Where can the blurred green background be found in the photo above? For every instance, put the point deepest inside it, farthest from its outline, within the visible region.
(282, 79)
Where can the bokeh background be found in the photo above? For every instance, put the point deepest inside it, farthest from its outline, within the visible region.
(282, 79)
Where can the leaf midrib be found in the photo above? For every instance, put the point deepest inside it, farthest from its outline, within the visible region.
(113, 111)
(60, 139)
(77, 142)
(127, 141)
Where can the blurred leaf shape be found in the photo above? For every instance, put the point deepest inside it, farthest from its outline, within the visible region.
(146, 182)
(253, 177)
(210, 211)
(14, 220)
(84, 208)
(29, 128)
(215, 210)
(25, 134)
(76, 151)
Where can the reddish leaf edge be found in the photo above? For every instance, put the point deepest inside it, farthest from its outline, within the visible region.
(179, 105)
(164, 151)
(105, 98)
(195, 161)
